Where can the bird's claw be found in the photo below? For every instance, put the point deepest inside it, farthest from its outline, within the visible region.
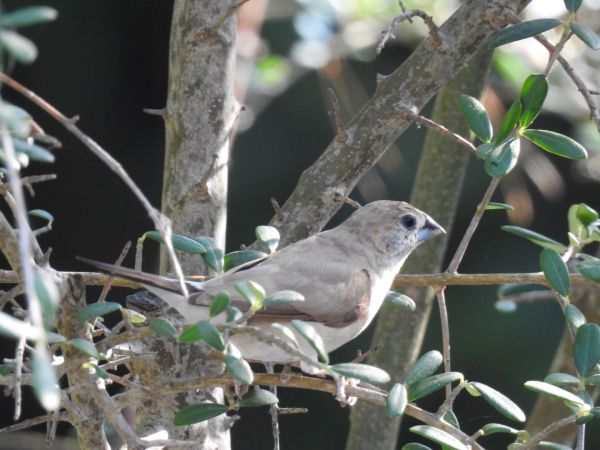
(340, 396)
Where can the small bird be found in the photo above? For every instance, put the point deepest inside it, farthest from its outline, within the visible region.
(344, 275)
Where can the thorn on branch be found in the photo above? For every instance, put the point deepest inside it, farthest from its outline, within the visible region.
(408, 14)
(340, 198)
(163, 113)
(212, 31)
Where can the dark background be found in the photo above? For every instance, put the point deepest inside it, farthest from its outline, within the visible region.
(106, 60)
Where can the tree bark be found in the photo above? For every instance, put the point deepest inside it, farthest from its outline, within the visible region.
(437, 190)
(199, 117)
(381, 120)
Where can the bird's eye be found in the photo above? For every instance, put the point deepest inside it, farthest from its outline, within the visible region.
(408, 221)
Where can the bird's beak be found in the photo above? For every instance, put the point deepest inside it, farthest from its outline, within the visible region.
(430, 229)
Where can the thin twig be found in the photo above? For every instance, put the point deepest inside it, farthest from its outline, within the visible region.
(439, 129)
(448, 402)
(530, 297)
(232, 9)
(554, 426)
(464, 243)
(161, 222)
(62, 417)
(18, 376)
(557, 49)
(441, 300)
(30, 180)
(274, 411)
(408, 14)
(109, 282)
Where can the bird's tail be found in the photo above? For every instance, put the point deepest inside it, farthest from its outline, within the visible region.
(168, 284)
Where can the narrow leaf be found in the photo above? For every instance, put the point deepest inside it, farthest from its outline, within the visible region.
(47, 295)
(396, 400)
(556, 143)
(211, 335)
(522, 30)
(476, 117)
(313, 338)
(240, 257)
(590, 270)
(482, 151)
(251, 291)
(400, 300)
(31, 15)
(283, 298)
(439, 436)
(503, 158)
(561, 379)
(500, 402)
(90, 312)
(555, 270)
(239, 368)
(268, 236)
(219, 303)
(432, 384)
(554, 391)
(362, 372)
(162, 327)
(586, 349)
(495, 205)
(198, 413)
(190, 335)
(21, 48)
(536, 238)
(424, 367)
(509, 122)
(573, 5)
(86, 347)
(42, 214)
(587, 35)
(34, 152)
(15, 328)
(259, 397)
(575, 318)
(586, 214)
(495, 428)
(287, 334)
(183, 243)
(533, 94)
(45, 383)
(553, 446)
(213, 257)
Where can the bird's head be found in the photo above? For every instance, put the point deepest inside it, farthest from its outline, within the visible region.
(394, 228)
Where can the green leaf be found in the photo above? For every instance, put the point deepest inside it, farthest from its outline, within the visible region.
(586, 349)
(21, 48)
(313, 338)
(86, 347)
(397, 400)
(558, 379)
(233, 314)
(211, 335)
(190, 334)
(536, 238)
(42, 214)
(439, 436)
(587, 35)
(47, 295)
(495, 428)
(17, 119)
(522, 30)
(268, 236)
(283, 298)
(503, 158)
(6, 369)
(574, 317)
(415, 446)
(556, 143)
(33, 152)
(554, 391)
(183, 243)
(240, 257)
(362, 372)
(553, 446)
(45, 383)
(573, 5)
(451, 418)
(287, 334)
(15, 328)
(431, 384)
(555, 270)
(533, 94)
(239, 368)
(483, 150)
(590, 270)
(198, 413)
(499, 402)
(424, 367)
(509, 122)
(258, 397)
(99, 371)
(162, 327)
(495, 205)
(219, 303)
(586, 214)
(31, 15)
(91, 311)
(213, 257)
(251, 291)
(400, 300)
(476, 117)
(135, 317)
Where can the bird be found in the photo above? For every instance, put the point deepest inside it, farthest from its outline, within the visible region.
(344, 275)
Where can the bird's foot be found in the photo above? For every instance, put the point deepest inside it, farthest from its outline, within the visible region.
(340, 396)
